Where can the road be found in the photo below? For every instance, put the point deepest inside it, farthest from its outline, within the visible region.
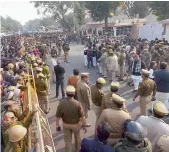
(77, 61)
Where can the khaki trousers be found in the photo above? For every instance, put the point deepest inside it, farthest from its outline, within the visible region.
(44, 103)
(66, 56)
(143, 104)
(97, 110)
(85, 108)
(59, 51)
(122, 71)
(68, 130)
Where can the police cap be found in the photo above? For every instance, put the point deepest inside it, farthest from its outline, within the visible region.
(115, 85)
(118, 99)
(70, 89)
(160, 109)
(39, 69)
(101, 80)
(84, 74)
(145, 72)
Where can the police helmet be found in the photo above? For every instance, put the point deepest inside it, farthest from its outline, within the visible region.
(135, 131)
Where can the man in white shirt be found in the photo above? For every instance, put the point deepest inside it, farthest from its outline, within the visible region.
(155, 126)
(52, 62)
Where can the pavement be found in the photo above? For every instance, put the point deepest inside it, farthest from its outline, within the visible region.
(77, 61)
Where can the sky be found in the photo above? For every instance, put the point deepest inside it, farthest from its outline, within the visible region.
(21, 11)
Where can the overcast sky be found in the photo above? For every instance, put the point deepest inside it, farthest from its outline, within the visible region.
(21, 11)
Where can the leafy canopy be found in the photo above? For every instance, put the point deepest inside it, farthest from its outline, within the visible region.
(160, 9)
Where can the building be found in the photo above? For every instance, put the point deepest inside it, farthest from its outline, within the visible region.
(165, 33)
(116, 27)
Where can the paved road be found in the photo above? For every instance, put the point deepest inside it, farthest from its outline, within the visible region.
(77, 61)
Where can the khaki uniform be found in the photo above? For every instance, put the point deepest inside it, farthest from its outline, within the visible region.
(108, 102)
(59, 48)
(122, 60)
(145, 89)
(66, 52)
(12, 148)
(84, 96)
(42, 93)
(46, 72)
(115, 118)
(146, 57)
(71, 111)
(97, 96)
(155, 56)
(26, 122)
(103, 63)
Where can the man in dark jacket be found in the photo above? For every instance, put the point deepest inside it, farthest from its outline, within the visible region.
(161, 78)
(59, 72)
(98, 144)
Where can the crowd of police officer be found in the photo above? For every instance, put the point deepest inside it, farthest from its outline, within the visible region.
(145, 134)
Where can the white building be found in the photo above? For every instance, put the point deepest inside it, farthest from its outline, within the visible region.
(165, 33)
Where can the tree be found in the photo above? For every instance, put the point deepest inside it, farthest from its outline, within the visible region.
(36, 24)
(79, 12)
(67, 22)
(60, 11)
(32, 25)
(101, 10)
(160, 9)
(134, 8)
(10, 25)
(57, 9)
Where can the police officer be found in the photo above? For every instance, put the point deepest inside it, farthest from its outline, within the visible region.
(122, 61)
(53, 52)
(134, 140)
(59, 47)
(115, 117)
(72, 114)
(16, 139)
(46, 73)
(38, 71)
(12, 106)
(108, 101)
(154, 124)
(9, 120)
(97, 95)
(84, 93)
(42, 92)
(66, 49)
(146, 88)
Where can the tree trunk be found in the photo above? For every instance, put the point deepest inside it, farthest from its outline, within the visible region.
(106, 23)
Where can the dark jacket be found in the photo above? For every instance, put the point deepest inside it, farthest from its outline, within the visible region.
(161, 78)
(93, 145)
(126, 146)
(59, 72)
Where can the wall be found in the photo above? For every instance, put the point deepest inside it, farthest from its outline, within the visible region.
(150, 31)
(135, 31)
(166, 36)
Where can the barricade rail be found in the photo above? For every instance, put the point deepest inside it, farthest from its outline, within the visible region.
(39, 133)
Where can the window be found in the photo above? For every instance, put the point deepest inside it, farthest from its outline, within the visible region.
(123, 30)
